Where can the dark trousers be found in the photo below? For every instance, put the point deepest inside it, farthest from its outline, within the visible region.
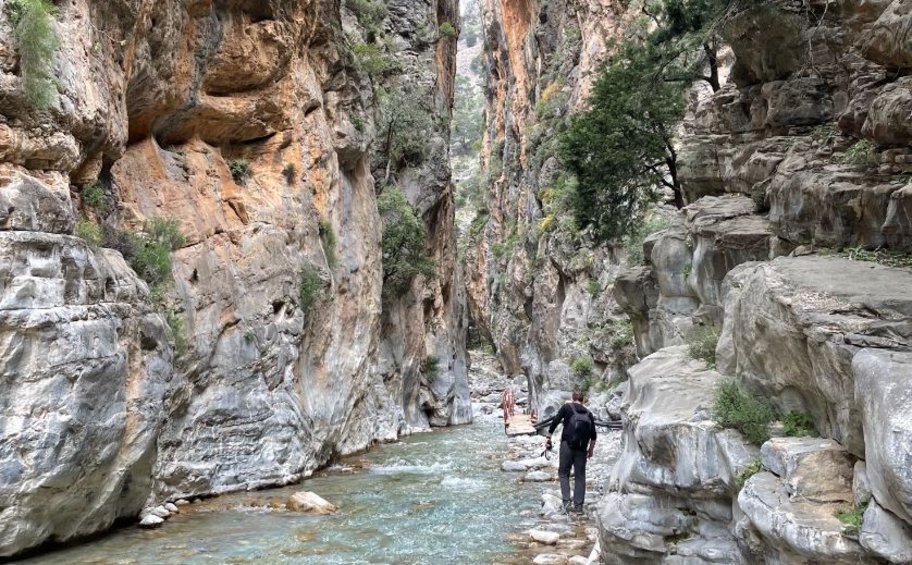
(575, 458)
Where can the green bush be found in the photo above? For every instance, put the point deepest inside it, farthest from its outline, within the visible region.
(372, 59)
(799, 424)
(593, 287)
(853, 517)
(328, 238)
(178, 334)
(448, 31)
(309, 288)
(633, 242)
(623, 334)
(735, 408)
(403, 242)
(582, 366)
(430, 367)
(151, 250)
(34, 31)
(405, 126)
(701, 344)
(289, 172)
(862, 152)
(90, 232)
(747, 473)
(92, 195)
(370, 15)
(240, 170)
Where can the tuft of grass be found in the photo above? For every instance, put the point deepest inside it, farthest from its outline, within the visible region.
(701, 345)
(735, 408)
(38, 42)
(448, 31)
(853, 517)
(747, 473)
(92, 195)
(799, 424)
(309, 289)
(289, 172)
(240, 170)
(862, 152)
(582, 366)
(882, 256)
(90, 232)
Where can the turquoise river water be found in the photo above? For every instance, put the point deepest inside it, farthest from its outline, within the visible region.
(430, 499)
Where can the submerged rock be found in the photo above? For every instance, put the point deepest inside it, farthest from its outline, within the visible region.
(307, 501)
(151, 521)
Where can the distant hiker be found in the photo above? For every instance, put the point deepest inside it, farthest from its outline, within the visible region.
(577, 444)
(508, 403)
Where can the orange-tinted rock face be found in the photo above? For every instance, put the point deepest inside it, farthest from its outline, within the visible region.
(528, 286)
(250, 123)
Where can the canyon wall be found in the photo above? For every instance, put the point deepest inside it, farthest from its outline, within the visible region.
(538, 288)
(792, 250)
(270, 346)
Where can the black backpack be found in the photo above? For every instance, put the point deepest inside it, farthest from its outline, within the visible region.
(579, 428)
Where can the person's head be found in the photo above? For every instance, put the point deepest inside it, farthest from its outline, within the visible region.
(577, 396)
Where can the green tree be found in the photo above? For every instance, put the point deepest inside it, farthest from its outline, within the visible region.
(403, 243)
(405, 127)
(34, 31)
(621, 148)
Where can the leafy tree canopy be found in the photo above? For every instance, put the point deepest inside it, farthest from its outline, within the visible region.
(620, 148)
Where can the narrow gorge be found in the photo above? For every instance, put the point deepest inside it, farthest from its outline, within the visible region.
(245, 242)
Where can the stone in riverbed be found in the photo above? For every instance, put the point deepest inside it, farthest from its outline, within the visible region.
(307, 501)
(151, 521)
(544, 536)
(159, 511)
(550, 559)
(537, 477)
(171, 507)
(578, 560)
(512, 467)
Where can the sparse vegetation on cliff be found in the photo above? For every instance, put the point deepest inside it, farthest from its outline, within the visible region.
(92, 195)
(240, 170)
(149, 252)
(448, 31)
(329, 241)
(736, 408)
(403, 243)
(799, 424)
(308, 289)
(701, 344)
(33, 22)
(853, 517)
(90, 232)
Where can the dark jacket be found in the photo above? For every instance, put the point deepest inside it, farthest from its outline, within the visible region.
(563, 417)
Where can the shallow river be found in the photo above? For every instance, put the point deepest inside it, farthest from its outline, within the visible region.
(436, 498)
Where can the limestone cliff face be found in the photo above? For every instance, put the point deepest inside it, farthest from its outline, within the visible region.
(538, 290)
(791, 165)
(252, 124)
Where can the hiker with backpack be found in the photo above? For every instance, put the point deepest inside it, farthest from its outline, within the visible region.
(576, 446)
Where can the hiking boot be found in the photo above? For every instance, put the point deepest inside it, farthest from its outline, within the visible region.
(577, 510)
(567, 506)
